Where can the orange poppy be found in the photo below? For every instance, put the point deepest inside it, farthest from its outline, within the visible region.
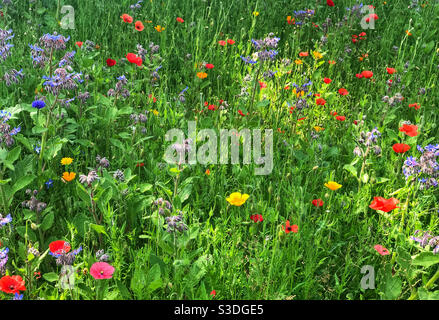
(139, 26)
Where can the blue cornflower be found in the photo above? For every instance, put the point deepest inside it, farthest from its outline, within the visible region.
(38, 104)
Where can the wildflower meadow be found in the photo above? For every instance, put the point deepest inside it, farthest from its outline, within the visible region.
(219, 150)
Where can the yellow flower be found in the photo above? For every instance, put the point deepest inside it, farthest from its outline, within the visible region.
(68, 176)
(333, 185)
(255, 13)
(317, 55)
(298, 61)
(318, 129)
(159, 28)
(66, 161)
(201, 75)
(156, 113)
(237, 199)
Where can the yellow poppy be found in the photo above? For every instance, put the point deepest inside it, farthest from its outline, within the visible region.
(237, 199)
(66, 161)
(68, 176)
(333, 185)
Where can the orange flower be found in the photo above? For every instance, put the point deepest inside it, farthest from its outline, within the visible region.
(207, 172)
(139, 26)
(159, 28)
(127, 18)
(68, 176)
(303, 54)
(408, 33)
(201, 75)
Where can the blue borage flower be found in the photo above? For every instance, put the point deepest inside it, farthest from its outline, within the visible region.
(5, 47)
(17, 296)
(49, 183)
(427, 239)
(5, 220)
(248, 60)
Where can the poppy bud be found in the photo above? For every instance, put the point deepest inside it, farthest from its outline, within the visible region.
(34, 226)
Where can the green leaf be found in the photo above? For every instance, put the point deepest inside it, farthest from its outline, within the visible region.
(425, 259)
(145, 187)
(153, 279)
(13, 154)
(51, 276)
(351, 169)
(123, 290)
(393, 287)
(48, 221)
(98, 228)
(82, 193)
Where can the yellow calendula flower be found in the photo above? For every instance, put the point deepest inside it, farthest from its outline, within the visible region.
(201, 75)
(68, 176)
(255, 13)
(298, 61)
(333, 185)
(237, 199)
(66, 161)
(156, 113)
(318, 129)
(317, 55)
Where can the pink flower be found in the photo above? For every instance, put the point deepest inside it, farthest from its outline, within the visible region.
(381, 250)
(101, 270)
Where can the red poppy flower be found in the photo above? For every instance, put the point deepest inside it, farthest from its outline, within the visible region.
(331, 61)
(262, 85)
(340, 118)
(111, 62)
(320, 101)
(381, 250)
(180, 20)
(303, 54)
(127, 18)
(367, 74)
(362, 34)
(317, 202)
(79, 43)
(301, 119)
(327, 80)
(213, 293)
(256, 218)
(400, 147)
(209, 66)
(343, 91)
(356, 122)
(415, 105)
(287, 228)
(139, 26)
(131, 57)
(212, 107)
(241, 113)
(382, 204)
(12, 284)
(372, 16)
(330, 3)
(141, 164)
(359, 75)
(222, 43)
(391, 70)
(230, 41)
(409, 129)
(59, 247)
